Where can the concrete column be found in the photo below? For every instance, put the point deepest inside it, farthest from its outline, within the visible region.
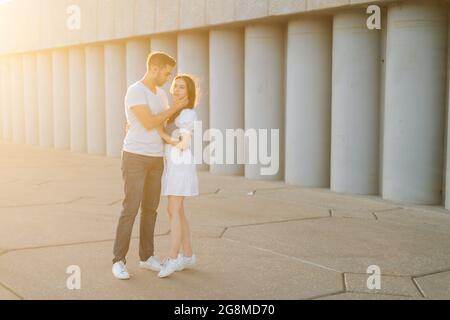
(45, 99)
(193, 59)
(355, 105)
(226, 48)
(61, 110)
(167, 44)
(308, 102)
(31, 99)
(77, 100)
(264, 91)
(137, 54)
(6, 99)
(95, 100)
(447, 149)
(382, 92)
(115, 90)
(415, 102)
(18, 114)
(1, 100)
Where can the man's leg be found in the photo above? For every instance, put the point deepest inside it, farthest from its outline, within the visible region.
(150, 203)
(134, 169)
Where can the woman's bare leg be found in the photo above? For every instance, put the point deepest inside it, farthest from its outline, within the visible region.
(174, 209)
(186, 235)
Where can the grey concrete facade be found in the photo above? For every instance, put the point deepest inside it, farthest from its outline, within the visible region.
(359, 111)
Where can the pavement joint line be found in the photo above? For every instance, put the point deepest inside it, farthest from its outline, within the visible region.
(416, 284)
(286, 256)
(114, 202)
(326, 295)
(430, 273)
(75, 243)
(223, 232)
(344, 278)
(387, 210)
(382, 275)
(43, 204)
(10, 181)
(271, 222)
(43, 182)
(383, 294)
(11, 291)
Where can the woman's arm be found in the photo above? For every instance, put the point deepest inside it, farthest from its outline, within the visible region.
(167, 138)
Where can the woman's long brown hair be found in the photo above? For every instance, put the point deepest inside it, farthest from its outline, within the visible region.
(192, 93)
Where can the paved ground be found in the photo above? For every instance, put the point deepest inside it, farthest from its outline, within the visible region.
(59, 209)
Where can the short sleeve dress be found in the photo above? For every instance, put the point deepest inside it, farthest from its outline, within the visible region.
(180, 171)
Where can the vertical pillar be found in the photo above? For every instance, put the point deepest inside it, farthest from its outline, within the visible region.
(31, 99)
(415, 102)
(95, 100)
(355, 105)
(264, 91)
(137, 53)
(447, 149)
(115, 90)
(45, 99)
(227, 91)
(193, 59)
(61, 109)
(77, 100)
(6, 99)
(18, 114)
(308, 102)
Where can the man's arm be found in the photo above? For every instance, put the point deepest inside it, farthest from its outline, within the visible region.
(150, 121)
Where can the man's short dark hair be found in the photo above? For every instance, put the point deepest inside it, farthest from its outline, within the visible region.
(160, 59)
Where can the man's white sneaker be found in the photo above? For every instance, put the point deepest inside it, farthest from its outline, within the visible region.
(169, 267)
(186, 262)
(120, 271)
(151, 264)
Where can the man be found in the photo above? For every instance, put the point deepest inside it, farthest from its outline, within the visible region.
(146, 108)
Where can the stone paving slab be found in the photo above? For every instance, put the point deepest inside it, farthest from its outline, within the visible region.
(219, 274)
(45, 226)
(328, 199)
(400, 286)
(351, 245)
(435, 286)
(235, 210)
(425, 220)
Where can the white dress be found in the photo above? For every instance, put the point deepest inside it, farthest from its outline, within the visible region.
(180, 171)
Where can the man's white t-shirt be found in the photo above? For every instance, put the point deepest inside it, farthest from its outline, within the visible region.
(138, 139)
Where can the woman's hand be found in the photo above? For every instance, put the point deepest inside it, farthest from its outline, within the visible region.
(185, 142)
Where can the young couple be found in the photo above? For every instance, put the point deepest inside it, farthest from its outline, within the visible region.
(158, 136)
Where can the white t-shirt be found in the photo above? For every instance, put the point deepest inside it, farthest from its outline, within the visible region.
(138, 139)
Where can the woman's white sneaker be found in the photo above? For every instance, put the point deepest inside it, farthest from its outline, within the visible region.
(151, 264)
(169, 267)
(120, 271)
(186, 262)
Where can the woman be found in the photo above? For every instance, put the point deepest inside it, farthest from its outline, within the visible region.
(180, 175)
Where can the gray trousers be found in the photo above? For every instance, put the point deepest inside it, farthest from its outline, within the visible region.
(142, 185)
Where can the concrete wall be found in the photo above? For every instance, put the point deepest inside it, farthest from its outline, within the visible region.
(27, 25)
